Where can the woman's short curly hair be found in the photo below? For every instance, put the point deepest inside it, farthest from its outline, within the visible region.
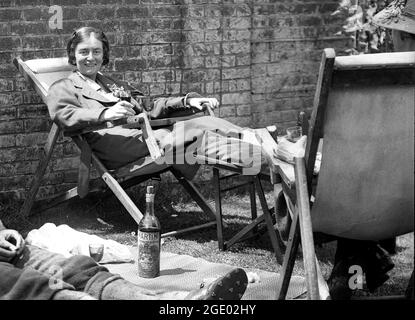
(82, 34)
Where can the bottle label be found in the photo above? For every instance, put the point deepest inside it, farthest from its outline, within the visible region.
(148, 254)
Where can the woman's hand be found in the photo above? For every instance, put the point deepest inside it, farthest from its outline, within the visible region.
(121, 109)
(11, 244)
(200, 103)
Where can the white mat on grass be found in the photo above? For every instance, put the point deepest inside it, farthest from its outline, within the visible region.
(183, 272)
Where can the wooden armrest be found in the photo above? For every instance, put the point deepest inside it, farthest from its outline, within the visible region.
(130, 122)
(139, 122)
(170, 121)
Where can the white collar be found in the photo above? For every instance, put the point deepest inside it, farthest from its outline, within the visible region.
(96, 87)
(86, 78)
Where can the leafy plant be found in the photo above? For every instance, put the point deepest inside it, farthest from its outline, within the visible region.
(358, 16)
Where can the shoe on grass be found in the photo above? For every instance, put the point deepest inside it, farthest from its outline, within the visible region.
(338, 282)
(231, 286)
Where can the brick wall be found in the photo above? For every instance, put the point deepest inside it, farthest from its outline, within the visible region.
(258, 57)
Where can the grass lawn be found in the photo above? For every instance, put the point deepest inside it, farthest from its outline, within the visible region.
(107, 218)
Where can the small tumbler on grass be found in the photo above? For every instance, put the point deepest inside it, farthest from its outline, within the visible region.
(96, 251)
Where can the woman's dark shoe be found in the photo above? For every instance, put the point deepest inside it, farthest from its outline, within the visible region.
(231, 286)
(338, 282)
(378, 264)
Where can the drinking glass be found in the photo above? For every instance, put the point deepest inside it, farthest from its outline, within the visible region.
(294, 133)
(125, 95)
(96, 251)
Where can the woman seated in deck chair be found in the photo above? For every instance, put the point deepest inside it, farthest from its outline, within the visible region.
(85, 98)
(28, 272)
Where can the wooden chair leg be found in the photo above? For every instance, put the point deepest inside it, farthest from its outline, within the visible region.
(254, 186)
(409, 293)
(252, 198)
(276, 241)
(301, 229)
(185, 230)
(306, 229)
(194, 193)
(40, 171)
(61, 197)
(122, 197)
(289, 258)
(218, 205)
(199, 199)
(84, 167)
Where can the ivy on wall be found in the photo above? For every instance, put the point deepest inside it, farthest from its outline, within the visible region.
(358, 25)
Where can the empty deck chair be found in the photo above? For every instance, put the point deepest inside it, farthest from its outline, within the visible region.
(364, 111)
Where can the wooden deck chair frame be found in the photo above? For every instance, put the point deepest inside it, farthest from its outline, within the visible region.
(299, 192)
(255, 188)
(115, 181)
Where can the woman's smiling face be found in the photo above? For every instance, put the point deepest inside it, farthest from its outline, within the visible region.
(89, 55)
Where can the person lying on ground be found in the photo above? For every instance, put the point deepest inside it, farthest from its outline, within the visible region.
(28, 272)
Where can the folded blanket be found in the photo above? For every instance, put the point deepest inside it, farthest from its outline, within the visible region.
(68, 242)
